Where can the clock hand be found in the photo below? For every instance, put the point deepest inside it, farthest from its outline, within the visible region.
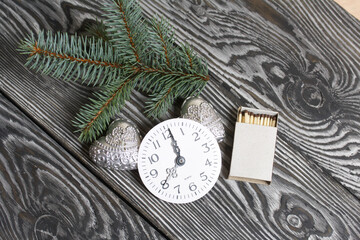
(171, 174)
(174, 143)
(180, 160)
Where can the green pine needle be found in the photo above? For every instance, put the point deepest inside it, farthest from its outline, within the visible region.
(72, 57)
(97, 30)
(94, 118)
(126, 30)
(124, 53)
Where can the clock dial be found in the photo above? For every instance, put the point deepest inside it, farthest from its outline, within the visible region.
(179, 160)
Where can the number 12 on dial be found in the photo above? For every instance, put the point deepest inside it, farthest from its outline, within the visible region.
(179, 160)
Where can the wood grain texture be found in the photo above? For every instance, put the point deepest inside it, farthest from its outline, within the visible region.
(302, 202)
(300, 58)
(47, 194)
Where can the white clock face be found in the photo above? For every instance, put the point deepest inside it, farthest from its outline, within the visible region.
(179, 160)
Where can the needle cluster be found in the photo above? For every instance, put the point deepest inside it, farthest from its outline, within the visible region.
(124, 54)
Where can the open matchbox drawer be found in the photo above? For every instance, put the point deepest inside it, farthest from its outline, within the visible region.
(254, 146)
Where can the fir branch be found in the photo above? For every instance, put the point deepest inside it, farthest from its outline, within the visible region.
(165, 97)
(76, 56)
(128, 54)
(190, 59)
(189, 55)
(160, 102)
(170, 73)
(58, 56)
(164, 41)
(97, 30)
(170, 62)
(127, 30)
(181, 57)
(191, 62)
(93, 118)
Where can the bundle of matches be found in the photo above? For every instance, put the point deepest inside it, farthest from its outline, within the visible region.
(257, 119)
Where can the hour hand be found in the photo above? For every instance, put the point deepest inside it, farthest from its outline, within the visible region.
(172, 172)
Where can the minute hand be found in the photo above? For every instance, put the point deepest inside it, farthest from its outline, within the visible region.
(180, 160)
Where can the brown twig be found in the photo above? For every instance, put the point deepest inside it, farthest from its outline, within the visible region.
(150, 70)
(37, 50)
(163, 98)
(164, 46)
(129, 32)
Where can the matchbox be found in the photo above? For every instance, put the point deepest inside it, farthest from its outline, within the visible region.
(254, 145)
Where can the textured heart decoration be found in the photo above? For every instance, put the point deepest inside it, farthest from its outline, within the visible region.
(199, 110)
(118, 150)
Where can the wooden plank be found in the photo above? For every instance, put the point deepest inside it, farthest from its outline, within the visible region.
(301, 202)
(46, 193)
(300, 58)
(352, 6)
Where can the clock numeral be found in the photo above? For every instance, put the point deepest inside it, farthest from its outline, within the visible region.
(192, 186)
(154, 158)
(197, 138)
(178, 187)
(154, 173)
(203, 176)
(182, 131)
(164, 184)
(166, 134)
(156, 144)
(207, 163)
(206, 147)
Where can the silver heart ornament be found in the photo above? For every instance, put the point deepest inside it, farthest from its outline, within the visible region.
(118, 150)
(199, 110)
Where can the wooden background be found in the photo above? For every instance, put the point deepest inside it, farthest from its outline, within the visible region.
(300, 58)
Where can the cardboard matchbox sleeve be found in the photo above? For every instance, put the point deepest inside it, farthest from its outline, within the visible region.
(254, 146)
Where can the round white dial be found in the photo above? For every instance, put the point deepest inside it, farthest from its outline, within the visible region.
(179, 160)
